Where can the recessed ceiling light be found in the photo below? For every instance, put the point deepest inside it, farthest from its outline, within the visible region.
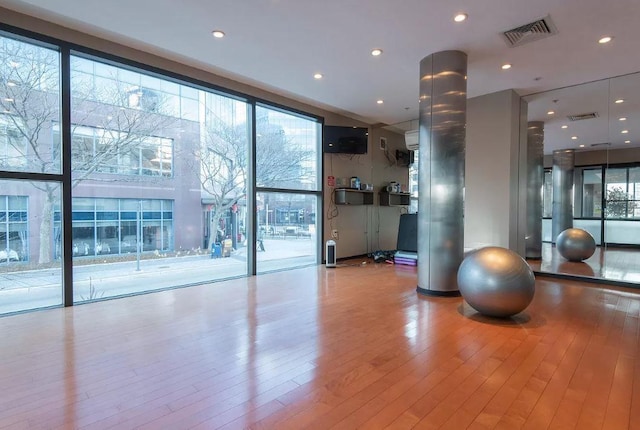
(565, 126)
(624, 131)
(581, 146)
(11, 84)
(622, 118)
(376, 52)
(627, 141)
(551, 112)
(219, 34)
(460, 17)
(318, 76)
(619, 101)
(380, 101)
(8, 100)
(574, 137)
(506, 66)
(605, 39)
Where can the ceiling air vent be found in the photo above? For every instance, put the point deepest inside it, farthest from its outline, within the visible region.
(530, 32)
(582, 116)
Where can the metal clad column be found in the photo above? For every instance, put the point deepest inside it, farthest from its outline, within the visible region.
(535, 179)
(443, 111)
(562, 210)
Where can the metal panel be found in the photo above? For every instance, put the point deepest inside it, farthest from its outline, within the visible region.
(562, 210)
(443, 106)
(535, 178)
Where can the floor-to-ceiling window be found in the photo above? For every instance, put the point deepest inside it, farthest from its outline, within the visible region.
(156, 173)
(30, 174)
(288, 185)
(159, 177)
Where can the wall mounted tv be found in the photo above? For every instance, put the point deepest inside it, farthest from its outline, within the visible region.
(345, 140)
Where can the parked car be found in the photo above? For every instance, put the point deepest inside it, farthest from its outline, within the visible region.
(7, 255)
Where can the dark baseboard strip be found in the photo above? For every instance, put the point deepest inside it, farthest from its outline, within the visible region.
(434, 293)
(589, 279)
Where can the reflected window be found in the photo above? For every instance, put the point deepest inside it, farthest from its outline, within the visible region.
(110, 151)
(547, 194)
(13, 145)
(592, 193)
(622, 199)
(413, 182)
(114, 226)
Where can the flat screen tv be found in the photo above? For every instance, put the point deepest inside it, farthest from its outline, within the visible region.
(345, 140)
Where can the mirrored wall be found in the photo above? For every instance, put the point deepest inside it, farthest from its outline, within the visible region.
(600, 123)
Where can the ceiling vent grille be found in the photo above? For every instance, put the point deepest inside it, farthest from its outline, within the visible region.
(530, 32)
(583, 116)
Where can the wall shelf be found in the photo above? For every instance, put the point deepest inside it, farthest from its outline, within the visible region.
(394, 199)
(351, 196)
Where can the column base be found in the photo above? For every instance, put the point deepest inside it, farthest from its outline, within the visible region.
(435, 293)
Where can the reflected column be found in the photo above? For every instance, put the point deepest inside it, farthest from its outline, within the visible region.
(535, 179)
(443, 105)
(562, 211)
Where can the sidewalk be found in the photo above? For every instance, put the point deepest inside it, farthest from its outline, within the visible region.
(40, 288)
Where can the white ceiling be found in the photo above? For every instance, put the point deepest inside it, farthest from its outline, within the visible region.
(279, 44)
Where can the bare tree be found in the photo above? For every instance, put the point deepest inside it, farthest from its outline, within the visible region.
(222, 161)
(619, 204)
(30, 104)
(280, 162)
(30, 101)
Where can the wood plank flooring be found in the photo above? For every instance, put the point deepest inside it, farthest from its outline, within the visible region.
(345, 348)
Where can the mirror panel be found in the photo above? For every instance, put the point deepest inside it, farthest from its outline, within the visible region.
(601, 122)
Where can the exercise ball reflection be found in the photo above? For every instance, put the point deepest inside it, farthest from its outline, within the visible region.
(575, 244)
(496, 281)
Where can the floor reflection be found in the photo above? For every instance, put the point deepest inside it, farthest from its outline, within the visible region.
(616, 264)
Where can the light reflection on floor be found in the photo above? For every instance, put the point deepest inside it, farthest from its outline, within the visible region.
(617, 264)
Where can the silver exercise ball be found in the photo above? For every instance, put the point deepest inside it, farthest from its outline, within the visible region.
(496, 281)
(575, 244)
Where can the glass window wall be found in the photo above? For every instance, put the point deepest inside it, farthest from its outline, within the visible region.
(288, 185)
(287, 231)
(29, 105)
(158, 190)
(159, 181)
(29, 277)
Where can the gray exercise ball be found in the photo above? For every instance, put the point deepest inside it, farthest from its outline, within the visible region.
(575, 244)
(496, 281)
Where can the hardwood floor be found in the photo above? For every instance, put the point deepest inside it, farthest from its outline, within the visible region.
(352, 347)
